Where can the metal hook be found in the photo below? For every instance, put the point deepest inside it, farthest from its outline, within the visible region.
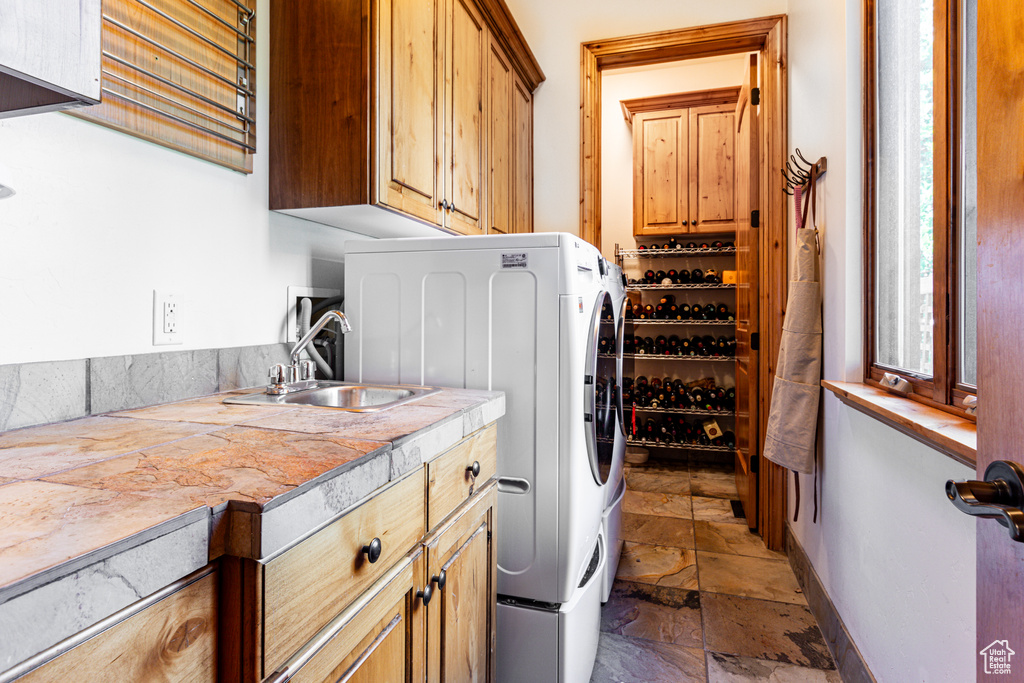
(798, 173)
(798, 165)
(809, 163)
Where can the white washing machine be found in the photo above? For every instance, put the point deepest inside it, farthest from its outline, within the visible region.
(520, 314)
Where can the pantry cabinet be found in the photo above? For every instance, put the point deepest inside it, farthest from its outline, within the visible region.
(402, 105)
(683, 162)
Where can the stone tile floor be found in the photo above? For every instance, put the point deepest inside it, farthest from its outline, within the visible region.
(697, 596)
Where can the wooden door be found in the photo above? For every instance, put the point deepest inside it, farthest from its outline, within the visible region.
(713, 142)
(1000, 111)
(460, 632)
(522, 160)
(466, 51)
(410, 132)
(747, 245)
(660, 173)
(499, 141)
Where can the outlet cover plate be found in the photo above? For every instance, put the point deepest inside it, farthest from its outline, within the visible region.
(296, 292)
(168, 318)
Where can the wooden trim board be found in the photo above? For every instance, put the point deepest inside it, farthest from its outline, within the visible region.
(679, 100)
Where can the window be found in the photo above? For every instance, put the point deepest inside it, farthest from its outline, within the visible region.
(920, 188)
(181, 73)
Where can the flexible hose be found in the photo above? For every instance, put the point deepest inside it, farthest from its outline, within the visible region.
(305, 306)
(339, 358)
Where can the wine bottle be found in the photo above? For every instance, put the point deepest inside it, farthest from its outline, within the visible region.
(661, 345)
(684, 311)
(684, 276)
(722, 312)
(697, 275)
(649, 277)
(673, 275)
(659, 277)
(668, 298)
(711, 276)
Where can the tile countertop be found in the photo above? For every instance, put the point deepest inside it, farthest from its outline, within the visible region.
(110, 496)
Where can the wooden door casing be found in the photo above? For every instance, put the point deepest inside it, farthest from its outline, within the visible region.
(660, 173)
(461, 616)
(409, 173)
(747, 278)
(1000, 111)
(466, 49)
(713, 143)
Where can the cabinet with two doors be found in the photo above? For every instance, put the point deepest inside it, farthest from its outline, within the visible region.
(400, 587)
(420, 107)
(683, 162)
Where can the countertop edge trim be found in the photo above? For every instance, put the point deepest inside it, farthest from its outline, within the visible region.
(888, 409)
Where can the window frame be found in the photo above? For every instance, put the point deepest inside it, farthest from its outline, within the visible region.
(941, 390)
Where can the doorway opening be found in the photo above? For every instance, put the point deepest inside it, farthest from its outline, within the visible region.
(767, 231)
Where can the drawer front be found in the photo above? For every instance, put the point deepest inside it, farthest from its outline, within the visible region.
(450, 481)
(174, 639)
(308, 585)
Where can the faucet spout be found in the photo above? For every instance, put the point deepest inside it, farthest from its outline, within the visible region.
(327, 317)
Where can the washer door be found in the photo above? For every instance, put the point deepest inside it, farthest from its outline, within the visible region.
(602, 388)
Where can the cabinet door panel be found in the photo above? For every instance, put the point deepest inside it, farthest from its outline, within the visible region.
(467, 51)
(712, 160)
(522, 166)
(660, 179)
(499, 142)
(460, 632)
(410, 103)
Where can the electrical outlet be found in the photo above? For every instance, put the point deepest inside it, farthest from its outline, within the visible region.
(167, 318)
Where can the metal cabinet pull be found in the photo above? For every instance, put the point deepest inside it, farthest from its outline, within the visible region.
(474, 469)
(425, 594)
(999, 497)
(441, 579)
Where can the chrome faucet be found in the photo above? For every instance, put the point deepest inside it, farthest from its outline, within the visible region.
(301, 375)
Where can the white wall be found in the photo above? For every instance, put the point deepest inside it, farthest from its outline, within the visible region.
(555, 31)
(617, 134)
(895, 557)
(100, 219)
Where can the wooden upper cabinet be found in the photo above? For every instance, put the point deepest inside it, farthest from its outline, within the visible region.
(466, 56)
(683, 162)
(411, 83)
(522, 159)
(391, 103)
(499, 141)
(712, 168)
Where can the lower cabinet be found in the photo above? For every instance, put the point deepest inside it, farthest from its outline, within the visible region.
(462, 565)
(170, 636)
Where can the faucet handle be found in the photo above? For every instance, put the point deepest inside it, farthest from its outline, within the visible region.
(278, 374)
(307, 370)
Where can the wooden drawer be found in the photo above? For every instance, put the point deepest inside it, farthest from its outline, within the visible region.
(311, 583)
(170, 639)
(380, 637)
(450, 481)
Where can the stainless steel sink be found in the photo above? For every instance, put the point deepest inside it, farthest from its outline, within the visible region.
(352, 396)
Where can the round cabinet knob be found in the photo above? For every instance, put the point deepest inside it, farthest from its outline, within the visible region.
(444, 205)
(425, 594)
(373, 550)
(474, 469)
(441, 579)
(685, 222)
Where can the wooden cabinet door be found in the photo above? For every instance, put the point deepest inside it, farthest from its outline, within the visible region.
(712, 132)
(499, 140)
(747, 278)
(466, 51)
(522, 160)
(460, 617)
(660, 173)
(409, 130)
(380, 639)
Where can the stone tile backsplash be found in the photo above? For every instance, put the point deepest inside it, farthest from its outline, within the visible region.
(54, 391)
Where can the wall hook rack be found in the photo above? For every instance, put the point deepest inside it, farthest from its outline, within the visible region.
(799, 171)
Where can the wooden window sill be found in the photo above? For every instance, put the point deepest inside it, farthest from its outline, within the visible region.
(949, 434)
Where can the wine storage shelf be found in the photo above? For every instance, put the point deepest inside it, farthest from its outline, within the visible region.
(654, 356)
(708, 323)
(692, 285)
(661, 253)
(684, 411)
(679, 446)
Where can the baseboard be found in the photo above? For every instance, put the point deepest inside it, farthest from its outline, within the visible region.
(851, 665)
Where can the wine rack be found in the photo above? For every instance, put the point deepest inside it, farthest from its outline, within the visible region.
(634, 262)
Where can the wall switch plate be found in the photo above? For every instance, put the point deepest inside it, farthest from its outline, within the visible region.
(167, 318)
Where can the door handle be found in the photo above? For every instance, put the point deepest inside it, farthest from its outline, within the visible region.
(999, 497)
